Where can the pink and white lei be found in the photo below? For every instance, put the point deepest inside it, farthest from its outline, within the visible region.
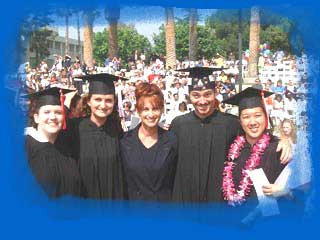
(233, 196)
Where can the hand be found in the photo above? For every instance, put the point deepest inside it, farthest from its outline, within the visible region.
(166, 126)
(273, 190)
(286, 154)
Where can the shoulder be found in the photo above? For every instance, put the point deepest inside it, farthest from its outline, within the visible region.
(73, 123)
(227, 118)
(180, 121)
(274, 141)
(183, 118)
(168, 135)
(129, 137)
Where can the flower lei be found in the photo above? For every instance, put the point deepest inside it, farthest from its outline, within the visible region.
(229, 192)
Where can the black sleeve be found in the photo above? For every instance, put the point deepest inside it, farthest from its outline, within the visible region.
(68, 141)
(174, 126)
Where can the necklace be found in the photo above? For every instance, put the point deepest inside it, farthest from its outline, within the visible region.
(233, 196)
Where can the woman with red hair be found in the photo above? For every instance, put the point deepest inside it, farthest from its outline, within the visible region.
(149, 152)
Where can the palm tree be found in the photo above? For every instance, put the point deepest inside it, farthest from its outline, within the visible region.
(67, 34)
(113, 15)
(78, 34)
(254, 42)
(193, 35)
(66, 13)
(170, 39)
(88, 38)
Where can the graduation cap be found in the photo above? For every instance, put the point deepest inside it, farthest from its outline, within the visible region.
(200, 77)
(249, 98)
(50, 96)
(101, 83)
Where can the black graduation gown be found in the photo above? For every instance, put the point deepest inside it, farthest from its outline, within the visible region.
(202, 149)
(149, 176)
(97, 151)
(58, 175)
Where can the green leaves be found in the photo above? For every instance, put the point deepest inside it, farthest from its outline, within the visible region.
(39, 43)
(219, 34)
(129, 40)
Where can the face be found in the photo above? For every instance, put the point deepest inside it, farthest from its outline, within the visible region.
(49, 119)
(101, 105)
(287, 129)
(253, 122)
(203, 102)
(150, 114)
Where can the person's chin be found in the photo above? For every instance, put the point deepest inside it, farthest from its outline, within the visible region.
(203, 111)
(103, 115)
(53, 130)
(255, 135)
(151, 124)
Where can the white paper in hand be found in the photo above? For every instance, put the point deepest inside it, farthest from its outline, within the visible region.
(267, 205)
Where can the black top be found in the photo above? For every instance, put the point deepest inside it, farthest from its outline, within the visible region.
(270, 163)
(57, 174)
(202, 150)
(148, 154)
(149, 173)
(97, 151)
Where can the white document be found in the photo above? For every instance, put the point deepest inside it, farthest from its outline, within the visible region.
(267, 205)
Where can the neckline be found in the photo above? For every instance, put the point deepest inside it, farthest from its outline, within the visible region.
(141, 143)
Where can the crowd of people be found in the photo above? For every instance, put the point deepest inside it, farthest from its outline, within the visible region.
(288, 101)
(147, 133)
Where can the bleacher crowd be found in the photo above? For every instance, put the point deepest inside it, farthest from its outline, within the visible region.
(286, 76)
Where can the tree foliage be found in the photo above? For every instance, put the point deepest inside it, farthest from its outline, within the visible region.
(30, 25)
(219, 34)
(39, 43)
(129, 40)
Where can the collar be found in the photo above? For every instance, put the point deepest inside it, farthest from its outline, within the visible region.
(32, 132)
(162, 136)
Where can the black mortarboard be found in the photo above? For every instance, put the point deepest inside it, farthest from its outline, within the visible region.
(248, 98)
(50, 96)
(200, 77)
(101, 83)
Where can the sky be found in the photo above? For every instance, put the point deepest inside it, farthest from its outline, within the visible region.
(146, 20)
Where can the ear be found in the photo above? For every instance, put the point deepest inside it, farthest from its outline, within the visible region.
(36, 118)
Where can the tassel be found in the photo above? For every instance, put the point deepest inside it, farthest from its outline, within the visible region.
(265, 109)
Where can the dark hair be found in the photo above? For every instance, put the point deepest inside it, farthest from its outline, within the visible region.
(183, 106)
(146, 90)
(278, 96)
(33, 109)
(128, 104)
(74, 101)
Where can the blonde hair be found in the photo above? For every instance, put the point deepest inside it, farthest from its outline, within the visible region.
(293, 134)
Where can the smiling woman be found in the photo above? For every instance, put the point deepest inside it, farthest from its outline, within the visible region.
(94, 141)
(57, 174)
(149, 152)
